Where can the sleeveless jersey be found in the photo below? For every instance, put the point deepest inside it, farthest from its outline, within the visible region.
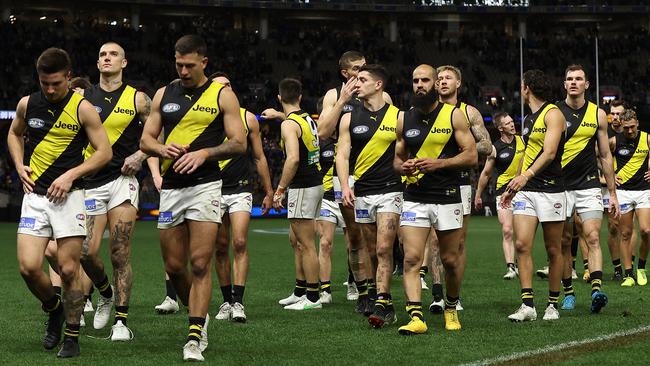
(120, 119)
(432, 136)
(579, 161)
(549, 179)
(351, 105)
(191, 117)
(308, 173)
(236, 172)
(464, 173)
(55, 139)
(632, 161)
(372, 137)
(327, 151)
(507, 161)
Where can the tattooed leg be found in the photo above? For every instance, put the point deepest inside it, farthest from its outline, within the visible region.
(122, 223)
(436, 267)
(69, 251)
(92, 264)
(387, 224)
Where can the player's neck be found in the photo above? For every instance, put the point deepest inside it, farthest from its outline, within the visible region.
(449, 99)
(575, 102)
(507, 138)
(535, 104)
(430, 108)
(375, 102)
(110, 83)
(290, 108)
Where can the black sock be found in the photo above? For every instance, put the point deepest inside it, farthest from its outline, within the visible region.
(196, 326)
(633, 259)
(414, 309)
(553, 297)
(312, 292)
(372, 289)
(567, 284)
(58, 290)
(585, 264)
(53, 305)
(384, 300)
(238, 294)
(617, 266)
(527, 297)
(169, 287)
(573, 263)
(362, 287)
(423, 271)
(350, 274)
(301, 288)
(596, 281)
(510, 265)
(629, 272)
(326, 286)
(71, 332)
(436, 291)
(121, 313)
(451, 302)
(641, 264)
(105, 288)
(226, 292)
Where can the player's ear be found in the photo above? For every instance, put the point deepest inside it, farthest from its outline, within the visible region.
(587, 84)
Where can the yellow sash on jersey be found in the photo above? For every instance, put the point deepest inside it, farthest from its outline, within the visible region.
(535, 143)
(309, 137)
(380, 141)
(635, 163)
(511, 171)
(587, 129)
(58, 138)
(242, 112)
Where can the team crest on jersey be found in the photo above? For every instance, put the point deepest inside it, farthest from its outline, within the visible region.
(412, 133)
(170, 107)
(215, 203)
(27, 223)
(36, 123)
(98, 109)
(557, 205)
(360, 129)
(456, 212)
(504, 155)
(328, 153)
(624, 152)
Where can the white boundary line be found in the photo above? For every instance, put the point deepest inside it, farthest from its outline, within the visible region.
(558, 347)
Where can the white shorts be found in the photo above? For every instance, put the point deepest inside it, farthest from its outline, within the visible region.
(604, 192)
(238, 202)
(304, 203)
(104, 198)
(547, 207)
(199, 203)
(498, 200)
(439, 217)
(466, 198)
(331, 212)
(631, 200)
(583, 200)
(40, 217)
(366, 208)
(336, 183)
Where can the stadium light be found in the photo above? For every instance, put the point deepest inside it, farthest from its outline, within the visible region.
(43, 18)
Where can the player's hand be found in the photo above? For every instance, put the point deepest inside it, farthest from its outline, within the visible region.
(408, 167)
(189, 162)
(646, 176)
(516, 184)
(278, 197)
(478, 202)
(271, 113)
(58, 191)
(348, 198)
(619, 181)
(157, 182)
(348, 90)
(614, 208)
(172, 151)
(428, 164)
(133, 163)
(25, 173)
(267, 203)
(506, 200)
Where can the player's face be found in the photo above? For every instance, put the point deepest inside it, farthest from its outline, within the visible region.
(111, 59)
(507, 125)
(447, 83)
(367, 85)
(190, 68)
(615, 114)
(423, 81)
(55, 85)
(630, 128)
(575, 83)
(353, 70)
(224, 81)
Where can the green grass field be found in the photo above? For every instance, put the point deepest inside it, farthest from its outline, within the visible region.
(335, 335)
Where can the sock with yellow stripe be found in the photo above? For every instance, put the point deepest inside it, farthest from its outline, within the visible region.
(423, 271)
(71, 332)
(596, 281)
(585, 264)
(362, 287)
(414, 309)
(567, 284)
(384, 300)
(105, 288)
(372, 289)
(300, 289)
(326, 286)
(313, 294)
(196, 326)
(53, 304)
(553, 297)
(527, 296)
(451, 302)
(121, 313)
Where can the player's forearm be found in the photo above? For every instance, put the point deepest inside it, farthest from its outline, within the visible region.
(139, 156)
(95, 162)
(150, 146)
(482, 183)
(466, 159)
(226, 150)
(607, 167)
(16, 145)
(544, 159)
(343, 172)
(153, 163)
(288, 172)
(262, 167)
(327, 121)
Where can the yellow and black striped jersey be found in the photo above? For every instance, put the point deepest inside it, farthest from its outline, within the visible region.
(55, 139)
(372, 137)
(236, 172)
(507, 161)
(579, 161)
(191, 117)
(632, 161)
(308, 173)
(117, 110)
(327, 152)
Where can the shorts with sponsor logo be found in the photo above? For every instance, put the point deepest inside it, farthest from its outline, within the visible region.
(331, 212)
(238, 202)
(604, 192)
(366, 208)
(336, 183)
(583, 200)
(498, 200)
(104, 198)
(304, 203)
(547, 207)
(631, 200)
(438, 216)
(199, 203)
(40, 217)
(466, 197)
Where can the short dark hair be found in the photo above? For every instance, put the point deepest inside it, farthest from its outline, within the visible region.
(53, 60)
(539, 84)
(79, 82)
(191, 43)
(618, 103)
(347, 57)
(377, 71)
(498, 116)
(218, 74)
(576, 67)
(628, 115)
(290, 90)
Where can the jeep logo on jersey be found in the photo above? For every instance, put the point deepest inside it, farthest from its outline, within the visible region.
(360, 129)
(130, 112)
(36, 123)
(589, 124)
(624, 152)
(412, 133)
(201, 108)
(98, 109)
(446, 131)
(387, 128)
(504, 155)
(67, 126)
(328, 153)
(539, 129)
(170, 107)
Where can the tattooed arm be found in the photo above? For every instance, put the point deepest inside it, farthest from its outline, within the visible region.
(481, 135)
(133, 163)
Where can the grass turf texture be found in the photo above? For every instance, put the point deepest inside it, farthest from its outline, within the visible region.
(335, 334)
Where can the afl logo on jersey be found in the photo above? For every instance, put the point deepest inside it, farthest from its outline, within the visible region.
(504, 155)
(347, 108)
(525, 131)
(412, 133)
(624, 152)
(36, 123)
(328, 153)
(98, 109)
(568, 124)
(170, 107)
(360, 129)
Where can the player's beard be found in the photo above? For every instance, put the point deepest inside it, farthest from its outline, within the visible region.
(424, 101)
